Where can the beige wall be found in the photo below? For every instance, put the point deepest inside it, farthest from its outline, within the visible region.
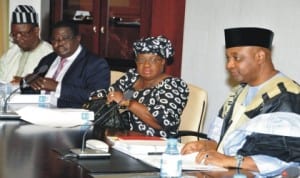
(4, 26)
(203, 60)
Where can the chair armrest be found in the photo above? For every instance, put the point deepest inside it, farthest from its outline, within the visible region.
(183, 133)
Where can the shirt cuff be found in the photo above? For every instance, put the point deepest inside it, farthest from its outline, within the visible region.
(269, 166)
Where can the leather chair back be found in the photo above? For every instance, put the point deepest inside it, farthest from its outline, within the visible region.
(192, 118)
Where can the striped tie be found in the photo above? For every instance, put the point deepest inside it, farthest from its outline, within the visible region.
(60, 67)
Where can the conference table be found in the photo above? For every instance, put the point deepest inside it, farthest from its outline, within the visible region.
(29, 151)
(32, 151)
(35, 151)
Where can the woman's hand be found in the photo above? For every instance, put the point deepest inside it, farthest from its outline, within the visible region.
(140, 110)
(115, 96)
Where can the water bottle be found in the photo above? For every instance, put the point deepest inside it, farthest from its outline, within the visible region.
(42, 100)
(170, 165)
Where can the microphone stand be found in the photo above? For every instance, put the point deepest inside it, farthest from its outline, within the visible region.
(89, 153)
(5, 114)
(13, 115)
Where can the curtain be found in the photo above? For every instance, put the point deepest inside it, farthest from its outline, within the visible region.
(4, 26)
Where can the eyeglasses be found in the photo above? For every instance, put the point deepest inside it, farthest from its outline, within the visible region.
(24, 34)
(61, 39)
(149, 60)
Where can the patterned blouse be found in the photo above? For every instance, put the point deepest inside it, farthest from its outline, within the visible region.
(165, 102)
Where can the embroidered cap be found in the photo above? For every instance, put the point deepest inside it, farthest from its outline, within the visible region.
(251, 36)
(159, 45)
(24, 14)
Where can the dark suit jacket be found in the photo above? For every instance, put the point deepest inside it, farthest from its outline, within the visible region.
(87, 73)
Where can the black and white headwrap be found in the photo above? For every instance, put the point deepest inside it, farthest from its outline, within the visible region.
(24, 14)
(159, 45)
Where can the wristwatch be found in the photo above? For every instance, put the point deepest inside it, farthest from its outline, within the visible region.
(239, 161)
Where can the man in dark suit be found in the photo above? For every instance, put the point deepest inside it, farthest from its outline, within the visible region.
(72, 72)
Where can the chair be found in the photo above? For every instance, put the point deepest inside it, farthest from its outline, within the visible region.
(192, 118)
(115, 75)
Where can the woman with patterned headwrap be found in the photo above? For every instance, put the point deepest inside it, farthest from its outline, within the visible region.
(158, 99)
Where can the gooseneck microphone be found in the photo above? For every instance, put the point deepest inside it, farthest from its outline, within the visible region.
(84, 152)
(11, 114)
(34, 76)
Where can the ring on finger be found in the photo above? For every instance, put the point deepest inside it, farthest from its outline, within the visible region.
(204, 159)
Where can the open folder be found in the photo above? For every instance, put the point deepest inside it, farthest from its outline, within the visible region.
(150, 150)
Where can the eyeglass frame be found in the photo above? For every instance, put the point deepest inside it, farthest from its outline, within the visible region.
(62, 39)
(24, 34)
(153, 60)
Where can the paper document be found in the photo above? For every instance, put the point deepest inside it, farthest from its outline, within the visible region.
(140, 138)
(149, 151)
(29, 98)
(140, 147)
(56, 117)
(188, 163)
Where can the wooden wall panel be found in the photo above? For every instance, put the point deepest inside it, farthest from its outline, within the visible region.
(168, 20)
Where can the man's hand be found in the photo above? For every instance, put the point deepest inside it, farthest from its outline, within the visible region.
(199, 146)
(16, 80)
(215, 158)
(42, 83)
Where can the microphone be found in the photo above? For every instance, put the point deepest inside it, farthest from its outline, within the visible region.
(9, 115)
(14, 115)
(34, 76)
(84, 152)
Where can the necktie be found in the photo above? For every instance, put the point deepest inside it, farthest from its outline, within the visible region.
(60, 67)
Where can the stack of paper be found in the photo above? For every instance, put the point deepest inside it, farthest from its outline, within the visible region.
(140, 138)
(140, 145)
(29, 98)
(56, 117)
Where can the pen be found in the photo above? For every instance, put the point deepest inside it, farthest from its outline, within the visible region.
(155, 153)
